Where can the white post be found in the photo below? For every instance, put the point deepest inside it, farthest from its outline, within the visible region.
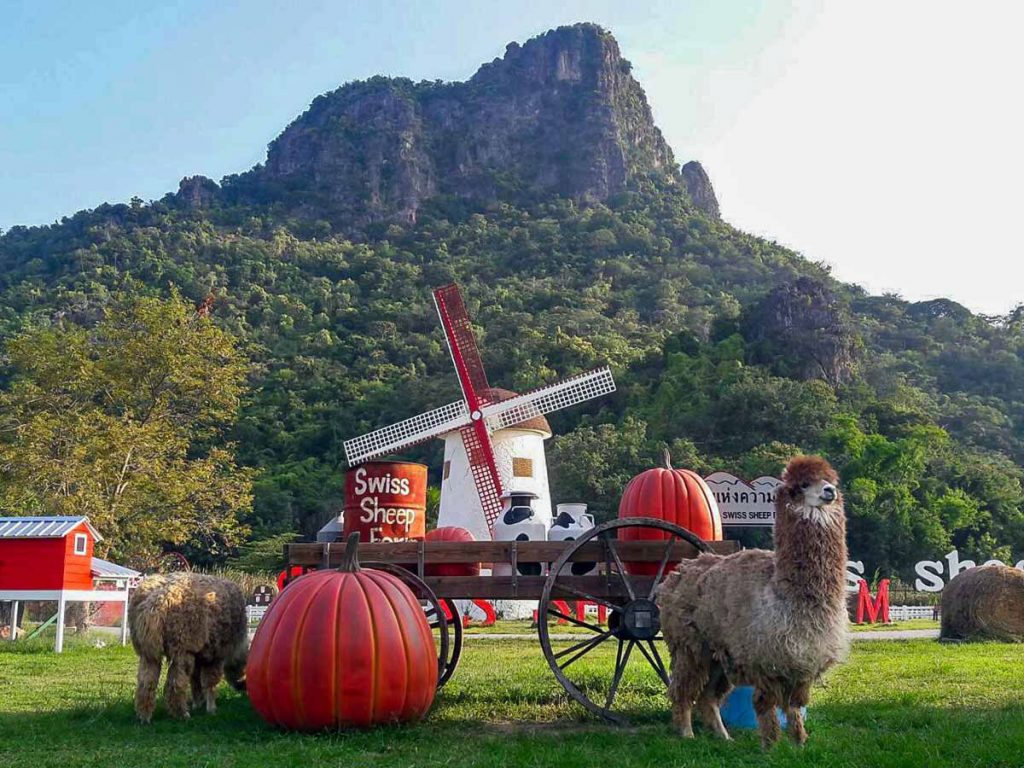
(14, 621)
(58, 645)
(124, 620)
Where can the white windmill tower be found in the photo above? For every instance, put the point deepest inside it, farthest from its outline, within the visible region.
(521, 464)
(485, 432)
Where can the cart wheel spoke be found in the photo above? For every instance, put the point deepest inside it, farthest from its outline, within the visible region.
(661, 566)
(581, 649)
(661, 664)
(621, 660)
(654, 659)
(566, 587)
(574, 620)
(610, 543)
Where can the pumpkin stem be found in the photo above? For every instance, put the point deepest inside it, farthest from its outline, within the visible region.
(350, 562)
(667, 456)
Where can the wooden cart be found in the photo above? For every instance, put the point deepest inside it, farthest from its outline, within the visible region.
(601, 568)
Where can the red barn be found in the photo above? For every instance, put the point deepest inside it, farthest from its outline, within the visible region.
(50, 559)
(46, 553)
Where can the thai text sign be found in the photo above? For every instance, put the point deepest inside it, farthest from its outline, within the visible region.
(743, 503)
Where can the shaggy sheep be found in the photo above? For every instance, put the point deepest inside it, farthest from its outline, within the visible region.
(984, 603)
(198, 622)
(774, 620)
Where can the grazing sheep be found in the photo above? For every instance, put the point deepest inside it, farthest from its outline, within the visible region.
(984, 603)
(198, 622)
(774, 620)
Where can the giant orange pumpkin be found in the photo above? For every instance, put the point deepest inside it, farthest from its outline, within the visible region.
(677, 496)
(451, 533)
(342, 648)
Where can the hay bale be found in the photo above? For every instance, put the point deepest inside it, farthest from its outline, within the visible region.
(984, 603)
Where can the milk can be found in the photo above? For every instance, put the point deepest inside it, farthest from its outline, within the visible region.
(332, 531)
(518, 522)
(572, 522)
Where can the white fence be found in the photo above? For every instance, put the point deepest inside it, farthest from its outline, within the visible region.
(254, 614)
(907, 612)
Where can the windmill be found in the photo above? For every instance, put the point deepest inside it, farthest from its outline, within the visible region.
(482, 410)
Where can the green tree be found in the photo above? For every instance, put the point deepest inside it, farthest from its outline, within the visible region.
(124, 423)
(593, 463)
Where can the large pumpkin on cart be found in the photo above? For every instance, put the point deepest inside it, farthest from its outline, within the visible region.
(451, 533)
(342, 648)
(677, 496)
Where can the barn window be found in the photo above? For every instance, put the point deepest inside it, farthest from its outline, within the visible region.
(522, 467)
(81, 542)
(447, 469)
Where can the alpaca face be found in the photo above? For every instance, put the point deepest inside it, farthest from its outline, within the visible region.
(812, 487)
(817, 493)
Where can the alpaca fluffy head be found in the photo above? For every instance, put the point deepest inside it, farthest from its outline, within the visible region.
(811, 488)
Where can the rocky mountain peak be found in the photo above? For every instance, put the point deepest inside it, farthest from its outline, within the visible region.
(698, 186)
(559, 114)
(197, 192)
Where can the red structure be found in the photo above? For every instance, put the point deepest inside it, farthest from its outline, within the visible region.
(51, 559)
(46, 553)
(876, 609)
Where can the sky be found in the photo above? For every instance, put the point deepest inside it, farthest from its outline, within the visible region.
(884, 138)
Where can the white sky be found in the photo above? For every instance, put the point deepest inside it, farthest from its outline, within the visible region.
(883, 138)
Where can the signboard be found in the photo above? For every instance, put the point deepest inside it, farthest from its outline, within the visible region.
(386, 501)
(743, 503)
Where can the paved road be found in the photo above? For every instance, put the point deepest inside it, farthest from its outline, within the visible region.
(896, 634)
(888, 634)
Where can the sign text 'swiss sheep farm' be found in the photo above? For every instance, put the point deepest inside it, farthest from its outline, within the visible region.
(386, 501)
(743, 503)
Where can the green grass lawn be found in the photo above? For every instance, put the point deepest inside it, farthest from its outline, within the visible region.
(894, 704)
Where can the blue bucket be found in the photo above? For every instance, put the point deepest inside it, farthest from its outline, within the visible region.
(738, 709)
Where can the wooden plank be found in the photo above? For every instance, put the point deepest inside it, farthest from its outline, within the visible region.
(406, 552)
(531, 587)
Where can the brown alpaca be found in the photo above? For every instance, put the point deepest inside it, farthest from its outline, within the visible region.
(773, 620)
(198, 622)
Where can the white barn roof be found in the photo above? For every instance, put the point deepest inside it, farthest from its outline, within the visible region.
(104, 569)
(43, 527)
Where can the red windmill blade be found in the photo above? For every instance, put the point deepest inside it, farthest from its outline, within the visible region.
(458, 331)
(480, 412)
(476, 438)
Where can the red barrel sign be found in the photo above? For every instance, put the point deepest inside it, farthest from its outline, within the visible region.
(386, 501)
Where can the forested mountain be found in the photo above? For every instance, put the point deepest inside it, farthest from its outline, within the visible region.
(544, 188)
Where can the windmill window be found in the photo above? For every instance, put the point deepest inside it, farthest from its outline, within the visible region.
(522, 467)
(447, 469)
(81, 543)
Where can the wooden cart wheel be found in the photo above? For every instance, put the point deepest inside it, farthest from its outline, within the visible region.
(455, 645)
(633, 620)
(449, 644)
